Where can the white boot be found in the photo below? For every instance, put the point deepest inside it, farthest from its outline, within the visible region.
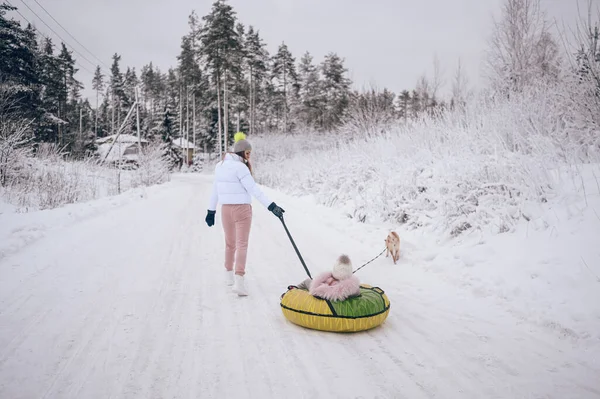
(238, 286)
(229, 277)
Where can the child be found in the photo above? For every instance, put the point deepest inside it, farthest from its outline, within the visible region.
(337, 285)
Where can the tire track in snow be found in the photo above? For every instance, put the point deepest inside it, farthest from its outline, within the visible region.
(269, 263)
(144, 272)
(180, 289)
(101, 291)
(149, 309)
(152, 322)
(99, 341)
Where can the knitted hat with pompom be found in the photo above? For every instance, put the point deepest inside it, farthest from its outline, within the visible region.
(241, 144)
(342, 268)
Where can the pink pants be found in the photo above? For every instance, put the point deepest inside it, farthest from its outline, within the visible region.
(236, 224)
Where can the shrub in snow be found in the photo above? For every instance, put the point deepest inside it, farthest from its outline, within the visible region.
(153, 166)
(46, 181)
(13, 150)
(369, 113)
(472, 168)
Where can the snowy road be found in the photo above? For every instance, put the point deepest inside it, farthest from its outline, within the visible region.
(130, 303)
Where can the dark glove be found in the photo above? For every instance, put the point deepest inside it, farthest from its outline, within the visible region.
(210, 218)
(277, 211)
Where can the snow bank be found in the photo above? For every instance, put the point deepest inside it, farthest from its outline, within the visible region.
(545, 272)
(19, 228)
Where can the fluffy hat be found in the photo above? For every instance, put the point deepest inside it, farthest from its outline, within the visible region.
(343, 268)
(241, 144)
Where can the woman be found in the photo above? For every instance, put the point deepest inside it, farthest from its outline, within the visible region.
(233, 187)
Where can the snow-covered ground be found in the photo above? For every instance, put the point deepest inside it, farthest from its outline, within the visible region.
(124, 297)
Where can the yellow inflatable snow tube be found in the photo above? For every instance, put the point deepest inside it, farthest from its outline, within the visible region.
(366, 311)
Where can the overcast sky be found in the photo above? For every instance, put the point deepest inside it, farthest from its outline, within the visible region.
(386, 42)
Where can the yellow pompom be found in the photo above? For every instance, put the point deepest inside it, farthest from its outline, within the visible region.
(238, 136)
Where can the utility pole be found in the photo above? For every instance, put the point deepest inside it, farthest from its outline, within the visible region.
(112, 100)
(187, 125)
(97, 108)
(226, 112)
(194, 124)
(180, 111)
(137, 114)
(81, 128)
(220, 137)
(238, 115)
(120, 130)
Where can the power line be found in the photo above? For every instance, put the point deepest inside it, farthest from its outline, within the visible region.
(43, 35)
(60, 37)
(68, 33)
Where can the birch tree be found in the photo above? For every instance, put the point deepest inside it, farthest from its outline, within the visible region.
(521, 48)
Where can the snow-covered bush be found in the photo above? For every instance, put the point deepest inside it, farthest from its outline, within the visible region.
(45, 180)
(582, 94)
(13, 140)
(472, 168)
(153, 166)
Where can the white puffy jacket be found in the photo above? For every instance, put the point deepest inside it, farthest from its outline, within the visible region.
(234, 184)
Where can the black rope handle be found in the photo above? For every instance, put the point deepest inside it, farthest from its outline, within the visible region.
(295, 247)
(302, 260)
(370, 261)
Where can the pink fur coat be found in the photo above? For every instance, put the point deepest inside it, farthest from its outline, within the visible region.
(325, 286)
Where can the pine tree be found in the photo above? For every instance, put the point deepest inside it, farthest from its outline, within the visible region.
(173, 96)
(105, 118)
(194, 35)
(51, 78)
(67, 90)
(34, 86)
(17, 58)
(312, 100)
(241, 88)
(268, 105)
(167, 130)
(192, 81)
(117, 93)
(387, 100)
(286, 82)
(130, 83)
(336, 88)
(220, 44)
(81, 132)
(257, 59)
(19, 65)
(189, 70)
(415, 104)
(404, 101)
(98, 85)
(153, 95)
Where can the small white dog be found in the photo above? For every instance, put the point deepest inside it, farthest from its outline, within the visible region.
(392, 244)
